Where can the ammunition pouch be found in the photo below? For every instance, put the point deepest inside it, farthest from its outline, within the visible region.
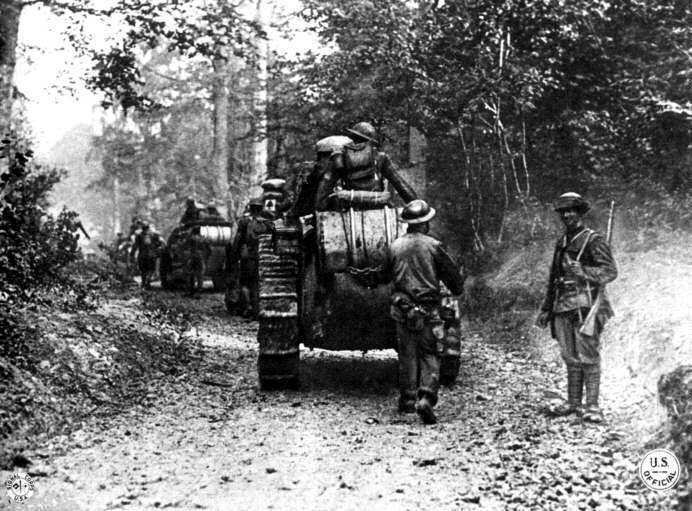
(402, 302)
(415, 319)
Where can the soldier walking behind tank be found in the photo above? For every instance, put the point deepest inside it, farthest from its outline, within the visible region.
(416, 264)
(146, 247)
(582, 264)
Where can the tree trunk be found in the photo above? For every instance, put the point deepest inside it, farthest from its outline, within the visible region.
(220, 142)
(260, 146)
(117, 225)
(10, 11)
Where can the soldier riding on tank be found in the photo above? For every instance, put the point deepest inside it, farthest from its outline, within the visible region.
(359, 166)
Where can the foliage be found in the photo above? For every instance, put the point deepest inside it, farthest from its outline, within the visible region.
(206, 30)
(34, 246)
(157, 158)
(519, 100)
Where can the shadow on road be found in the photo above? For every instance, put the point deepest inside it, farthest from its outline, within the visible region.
(348, 373)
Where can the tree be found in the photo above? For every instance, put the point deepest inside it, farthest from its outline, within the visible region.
(10, 11)
(518, 99)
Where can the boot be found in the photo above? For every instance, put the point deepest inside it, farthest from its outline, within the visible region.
(575, 380)
(592, 377)
(407, 402)
(575, 388)
(424, 408)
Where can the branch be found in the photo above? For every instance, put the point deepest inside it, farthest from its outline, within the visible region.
(67, 6)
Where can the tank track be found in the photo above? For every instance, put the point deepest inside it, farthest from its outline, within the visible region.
(278, 334)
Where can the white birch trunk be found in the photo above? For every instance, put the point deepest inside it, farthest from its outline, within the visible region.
(220, 143)
(260, 146)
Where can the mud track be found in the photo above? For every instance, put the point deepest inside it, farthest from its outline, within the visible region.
(207, 438)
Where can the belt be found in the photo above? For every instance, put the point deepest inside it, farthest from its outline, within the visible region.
(567, 285)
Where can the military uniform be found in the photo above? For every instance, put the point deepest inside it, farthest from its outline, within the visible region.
(243, 256)
(147, 245)
(582, 264)
(192, 212)
(416, 264)
(358, 166)
(300, 190)
(244, 252)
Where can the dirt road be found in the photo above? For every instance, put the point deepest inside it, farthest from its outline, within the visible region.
(207, 438)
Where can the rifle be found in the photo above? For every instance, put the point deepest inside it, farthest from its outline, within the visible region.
(589, 326)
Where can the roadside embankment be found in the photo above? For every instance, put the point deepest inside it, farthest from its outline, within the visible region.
(647, 340)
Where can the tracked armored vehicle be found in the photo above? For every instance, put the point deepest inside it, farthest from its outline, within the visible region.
(320, 285)
(196, 250)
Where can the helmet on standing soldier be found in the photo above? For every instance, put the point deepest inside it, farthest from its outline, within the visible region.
(571, 200)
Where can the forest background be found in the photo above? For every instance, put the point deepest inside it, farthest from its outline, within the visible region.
(502, 105)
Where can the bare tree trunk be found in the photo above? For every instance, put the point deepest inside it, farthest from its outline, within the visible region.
(117, 226)
(260, 146)
(10, 11)
(220, 143)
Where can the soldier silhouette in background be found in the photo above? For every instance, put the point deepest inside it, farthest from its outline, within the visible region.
(242, 257)
(212, 214)
(582, 262)
(146, 249)
(192, 212)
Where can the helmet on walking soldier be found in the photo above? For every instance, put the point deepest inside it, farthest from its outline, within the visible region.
(417, 211)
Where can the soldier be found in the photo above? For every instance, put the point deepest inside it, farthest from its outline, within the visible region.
(146, 247)
(582, 263)
(135, 227)
(360, 166)
(245, 247)
(191, 213)
(299, 190)
(212, 214)
(416, 264)
(242, 256)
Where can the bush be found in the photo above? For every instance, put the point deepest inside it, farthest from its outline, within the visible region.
(34, 246)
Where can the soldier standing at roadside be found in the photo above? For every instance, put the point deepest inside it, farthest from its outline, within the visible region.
(416, 264)
(582, 263)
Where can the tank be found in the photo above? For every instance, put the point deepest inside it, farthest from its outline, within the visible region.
(195, 252)
(333, 261)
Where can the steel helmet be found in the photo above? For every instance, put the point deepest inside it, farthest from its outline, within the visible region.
(571, 200)
(417, 211)
(364, 130)
(332, 143)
